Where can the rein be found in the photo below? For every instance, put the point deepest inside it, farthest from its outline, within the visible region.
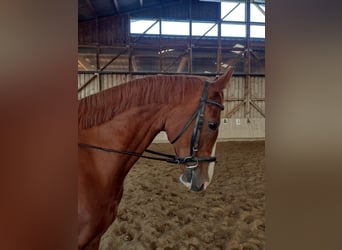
(192, 159)
(167, 157)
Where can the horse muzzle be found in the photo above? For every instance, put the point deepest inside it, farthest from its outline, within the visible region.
(192, 180)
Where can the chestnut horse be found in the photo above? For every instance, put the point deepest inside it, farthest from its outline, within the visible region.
(118, 124)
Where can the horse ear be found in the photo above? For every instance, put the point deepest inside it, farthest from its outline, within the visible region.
(223, 80)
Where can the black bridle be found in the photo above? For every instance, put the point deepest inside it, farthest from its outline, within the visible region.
(191, 161)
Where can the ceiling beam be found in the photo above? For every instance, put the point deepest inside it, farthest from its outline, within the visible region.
(91, 8)
(260, 9)
(83, 62)
(116, 4)
(160, 4)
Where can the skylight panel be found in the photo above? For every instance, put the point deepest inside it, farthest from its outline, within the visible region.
(140, 26)
(256, 14)
(175, 28)
(257, 31)
(233, 30)
(235, 11)
(200, 28)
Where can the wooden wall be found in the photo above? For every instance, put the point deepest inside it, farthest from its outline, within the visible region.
(106, 31)
(237, 96)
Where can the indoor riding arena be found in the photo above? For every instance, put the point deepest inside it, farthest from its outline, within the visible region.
(121, 40)
(157, 212)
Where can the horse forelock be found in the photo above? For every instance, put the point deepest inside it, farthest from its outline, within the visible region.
(158, 89)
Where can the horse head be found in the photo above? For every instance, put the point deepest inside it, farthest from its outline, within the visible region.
(192, 128)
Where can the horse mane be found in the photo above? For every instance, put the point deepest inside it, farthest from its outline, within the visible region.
(158, 89)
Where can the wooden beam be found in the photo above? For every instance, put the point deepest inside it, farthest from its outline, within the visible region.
(259, 8)
(219, 43)
(134, 64)
(103, 68)
(175, 60)
(190, 44)
(91, 8)
(116, 4)
(248, 60)
(236, 108)
(87, 83)
(113, 59)
(234, 99)
(258, 108)
(80, 63)
(83, 62)
(181, 64)
(142, 34)
(237, 5)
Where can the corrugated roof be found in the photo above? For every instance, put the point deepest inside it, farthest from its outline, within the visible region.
(90, 9)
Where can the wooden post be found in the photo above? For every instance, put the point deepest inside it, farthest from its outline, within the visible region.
(190, 38)
(160, 43)
(248, 61)
(181, 64)
(98, 52)
(219, 43)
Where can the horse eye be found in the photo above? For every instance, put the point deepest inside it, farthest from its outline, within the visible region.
(213, 125)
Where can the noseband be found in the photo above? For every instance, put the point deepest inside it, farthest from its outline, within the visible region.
(191, 161)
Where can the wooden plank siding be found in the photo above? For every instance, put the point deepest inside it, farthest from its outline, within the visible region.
(109, 31)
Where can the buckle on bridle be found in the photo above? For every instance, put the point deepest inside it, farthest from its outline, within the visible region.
(190, 162)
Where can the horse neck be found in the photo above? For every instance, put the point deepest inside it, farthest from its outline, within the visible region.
(143, 124)
(132, 130)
